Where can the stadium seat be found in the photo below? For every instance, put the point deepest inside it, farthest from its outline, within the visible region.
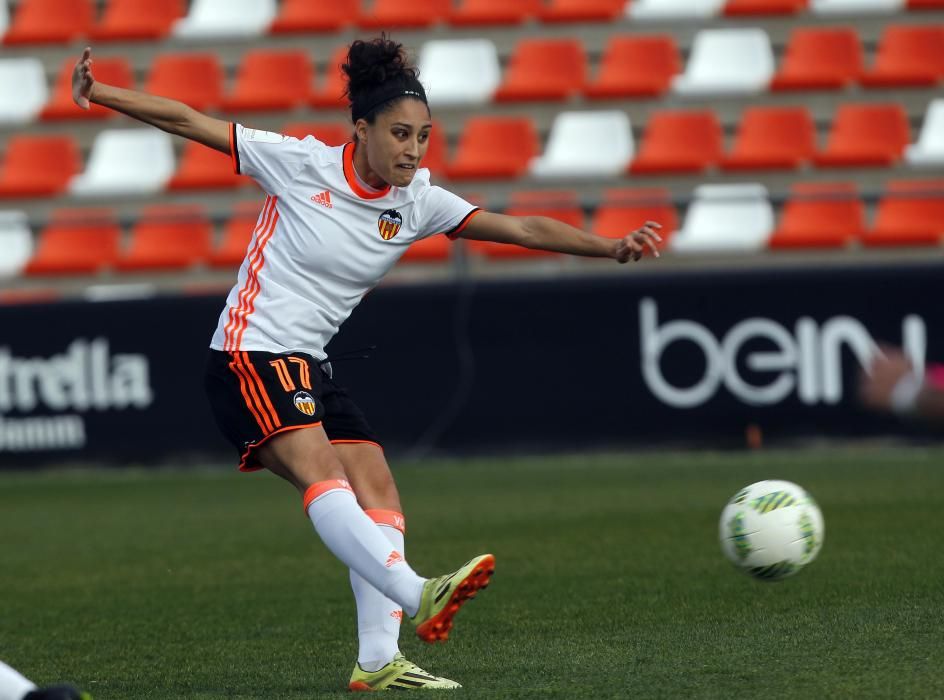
(237, 233)
(303, 16)
(396, 14)
(929, 149)
(855, 7)
(432, 249)
(113, 70)
(23, 90)
(866, 134)
(820, 215)
(167, 237)
(820, 58)
(772, 138)
(210, 19)
(329, 93)
(925, 4)
(561, 205)
(76, 241)
(16, 242)
(435, 158)
(910, 213)
(329, 133)
(679, 142)
(636, 66)
(196, 79)
(134, 20)
(38, 166)
(568, 11)
(492, 12)
(586, 144)
(624, 210)
(727, 61)
(459, 71)
(126, 161)
(908, 56)
(670, 10)
(736, 8)
(726, 218)
(49, 22)
(544, 69)
(270, 80)
(203, 168)
(494, 147)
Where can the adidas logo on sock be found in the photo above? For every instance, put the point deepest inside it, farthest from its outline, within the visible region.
(323, 198)
(394, 557)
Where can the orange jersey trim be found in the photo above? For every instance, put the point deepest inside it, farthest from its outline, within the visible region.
(243, 467)
(322, 487)
(390, 518)
(254, 375)
(460, 227)
(233, 152)
(236, 366)
(351, 176)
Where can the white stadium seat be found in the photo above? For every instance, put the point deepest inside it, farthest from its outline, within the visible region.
(595, 144)
(23, 89)
(126, 161)
(929, 150)
(4, 16)
(854, 7)
(459, 71)
(726, 218)
(225, 18)
(727, 61)
(674, 9)
(16, 242)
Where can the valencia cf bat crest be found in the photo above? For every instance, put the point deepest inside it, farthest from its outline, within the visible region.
(389, 224)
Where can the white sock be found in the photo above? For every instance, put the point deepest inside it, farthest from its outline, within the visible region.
(378, 617)
(356, 540)
(13, 685)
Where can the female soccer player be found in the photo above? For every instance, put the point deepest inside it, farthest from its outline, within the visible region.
(15, 686)
(334, 221)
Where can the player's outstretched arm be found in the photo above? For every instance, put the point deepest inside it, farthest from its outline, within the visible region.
(543, 233)
(169, 115)
(891, 384)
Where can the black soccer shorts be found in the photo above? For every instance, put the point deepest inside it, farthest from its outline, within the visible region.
(255, 395)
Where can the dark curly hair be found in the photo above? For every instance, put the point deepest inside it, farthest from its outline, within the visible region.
(375, 68)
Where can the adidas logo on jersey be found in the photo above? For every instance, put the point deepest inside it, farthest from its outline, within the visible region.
(323, 198)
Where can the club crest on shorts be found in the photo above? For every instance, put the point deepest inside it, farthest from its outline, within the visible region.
(305, 403)
(389, 224)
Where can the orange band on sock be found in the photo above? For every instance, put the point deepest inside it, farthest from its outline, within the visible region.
(322, 487)
(387, 517)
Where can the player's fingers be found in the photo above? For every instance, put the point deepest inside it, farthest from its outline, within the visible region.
(86, 53)
(650, 233)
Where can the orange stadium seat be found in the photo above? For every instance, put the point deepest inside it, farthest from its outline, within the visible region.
(485, 12)
(167, 237)
(432, 249)
(76, 241)
(49, 22)
(196, 79)
(396, 14)
(623, 210)
(561, 205)
(908, 56)
(137, 19)
(734, 8)
(203, 168)
(636, 66)
(816, 58)
(329, 133)
(435, 158)
(112, 70)
(271, 80)
(494, 147)
(909, 213)
(544, 69)
(301, 16)
(237, 232)
(38, 166)
(772, 138)
(925, 4)
(329, 93)
(866, 134)
(677, 141)
(566, 11)
(820, 215)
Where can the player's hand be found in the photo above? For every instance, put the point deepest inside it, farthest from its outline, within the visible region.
(82, 79)
(633, 245)
(878, 381)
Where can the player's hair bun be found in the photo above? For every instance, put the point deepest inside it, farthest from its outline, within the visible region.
(371, 64)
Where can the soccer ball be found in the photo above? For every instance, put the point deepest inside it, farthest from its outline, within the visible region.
(771, 529)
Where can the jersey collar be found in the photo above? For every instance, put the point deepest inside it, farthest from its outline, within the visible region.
(351, 176)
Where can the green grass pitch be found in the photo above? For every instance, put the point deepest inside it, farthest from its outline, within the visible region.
(610, 583)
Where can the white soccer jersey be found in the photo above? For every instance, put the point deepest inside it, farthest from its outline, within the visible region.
(322, 241)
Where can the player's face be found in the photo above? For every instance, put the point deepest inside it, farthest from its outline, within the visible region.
(397, 142)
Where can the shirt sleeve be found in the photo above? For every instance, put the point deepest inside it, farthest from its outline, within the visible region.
(273, 160)
(442, 211)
